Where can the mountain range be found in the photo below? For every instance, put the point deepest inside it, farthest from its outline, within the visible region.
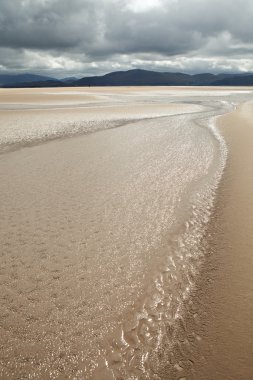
(135, 77)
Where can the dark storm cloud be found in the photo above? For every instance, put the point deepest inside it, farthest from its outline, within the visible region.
(98, 35)
(45, 24)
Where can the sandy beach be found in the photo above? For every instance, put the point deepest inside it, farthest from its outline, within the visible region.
(233, 304)
(126, 234)
(224, 296)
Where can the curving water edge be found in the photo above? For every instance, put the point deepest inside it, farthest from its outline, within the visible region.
(145, 337)
(150, 342)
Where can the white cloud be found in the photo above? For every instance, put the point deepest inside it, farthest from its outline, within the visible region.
(138, 6)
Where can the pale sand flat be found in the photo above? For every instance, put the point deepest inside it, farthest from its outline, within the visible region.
(32, 115)
(84, 94)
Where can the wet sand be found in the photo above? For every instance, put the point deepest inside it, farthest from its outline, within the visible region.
(31, 116)
(78, 231)
(79, 234)
(220, 315)
(230, 331)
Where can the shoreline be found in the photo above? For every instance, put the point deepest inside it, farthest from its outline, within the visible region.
(85, 240)
(220, 312)
(96, 185)
(186, 238)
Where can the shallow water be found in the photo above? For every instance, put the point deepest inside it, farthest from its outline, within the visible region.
(102, 235)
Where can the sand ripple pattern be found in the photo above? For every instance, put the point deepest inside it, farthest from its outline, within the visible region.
(101, 240)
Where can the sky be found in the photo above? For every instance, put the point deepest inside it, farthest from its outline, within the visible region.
(92, 37)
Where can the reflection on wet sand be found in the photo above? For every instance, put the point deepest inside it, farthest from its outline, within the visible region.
(102, 234)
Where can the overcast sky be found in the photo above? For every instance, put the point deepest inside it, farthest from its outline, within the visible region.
(86, 37)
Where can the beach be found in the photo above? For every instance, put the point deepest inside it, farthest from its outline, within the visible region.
(225, 292)
(126, 233)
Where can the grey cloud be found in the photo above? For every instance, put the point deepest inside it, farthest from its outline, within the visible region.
(96, 35)
(46, 24)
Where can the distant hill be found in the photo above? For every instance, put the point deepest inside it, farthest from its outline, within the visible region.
(69, 80)
(245, 80)
(22, 78)
(45, 83)
(136, 77)
(152, 78)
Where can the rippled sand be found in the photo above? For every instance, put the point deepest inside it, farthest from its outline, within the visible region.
(102, 234)
(224, 301)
